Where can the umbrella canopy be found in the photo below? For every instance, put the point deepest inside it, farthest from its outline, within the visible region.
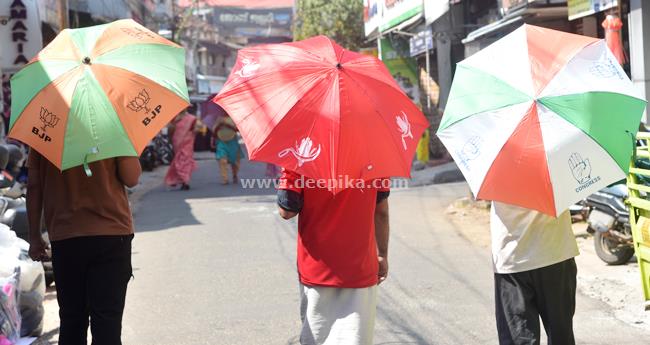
(98, 92)
(322, 111)
(541, 119)
(211, 113)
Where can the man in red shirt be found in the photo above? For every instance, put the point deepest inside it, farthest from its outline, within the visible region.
(342, 256)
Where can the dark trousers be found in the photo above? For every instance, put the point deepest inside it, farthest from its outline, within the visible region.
(91, 277)
(522, 298)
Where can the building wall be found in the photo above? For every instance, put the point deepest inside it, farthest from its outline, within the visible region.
(639, 24)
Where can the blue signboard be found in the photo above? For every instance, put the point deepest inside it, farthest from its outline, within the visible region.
(421, 42)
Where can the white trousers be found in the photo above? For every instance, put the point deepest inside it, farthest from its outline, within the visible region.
(337, 316)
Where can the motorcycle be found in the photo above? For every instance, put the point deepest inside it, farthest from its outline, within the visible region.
(163, 147)
(148, 159)
(159, 151)
(609, 222)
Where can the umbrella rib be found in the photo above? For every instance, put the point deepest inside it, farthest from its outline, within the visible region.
(19, 73)
(586, 133)
(376, 111)
(256, 76)
(394, 86)
(274, 129)
(269, 99)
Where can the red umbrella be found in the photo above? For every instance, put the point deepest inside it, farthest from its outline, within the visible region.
(322, 111)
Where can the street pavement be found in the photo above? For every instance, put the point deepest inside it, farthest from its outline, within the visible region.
(216, 265)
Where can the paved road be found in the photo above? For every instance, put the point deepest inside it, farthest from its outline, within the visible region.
(216, 265)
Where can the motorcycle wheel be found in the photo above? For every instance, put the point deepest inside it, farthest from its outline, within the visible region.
(611, 251)
(166, 155)
(147, 161)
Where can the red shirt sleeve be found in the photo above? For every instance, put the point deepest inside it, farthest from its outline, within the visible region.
(290, 180)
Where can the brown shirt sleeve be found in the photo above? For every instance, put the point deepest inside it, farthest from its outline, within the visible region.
(33, 166)
(34, 193)
(129, 170)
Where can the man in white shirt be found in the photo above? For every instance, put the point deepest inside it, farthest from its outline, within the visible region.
(534, 275)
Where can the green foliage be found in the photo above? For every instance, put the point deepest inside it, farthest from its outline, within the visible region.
(340, 20)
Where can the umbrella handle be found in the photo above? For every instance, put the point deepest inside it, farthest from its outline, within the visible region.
(633, 147)
(93, 151)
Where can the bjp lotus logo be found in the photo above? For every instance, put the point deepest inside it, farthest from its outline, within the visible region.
(404, 126)
(305, 152)
(248, 69)
(49, 119)
(140, 102)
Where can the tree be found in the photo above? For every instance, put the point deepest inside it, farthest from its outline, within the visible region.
(340, 20)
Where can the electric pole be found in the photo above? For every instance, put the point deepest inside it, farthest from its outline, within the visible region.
(63, 14)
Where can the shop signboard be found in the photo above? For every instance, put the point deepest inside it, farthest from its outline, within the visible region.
(371, 15)
(421, 43)
(253, 22)
(20, 33)
(581, 8)
(402, 68)
(395, 12)
(20, 39)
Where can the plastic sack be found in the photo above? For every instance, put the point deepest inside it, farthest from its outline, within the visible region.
(10, 321)
(9, 251)
(32, 293)
(31, 287)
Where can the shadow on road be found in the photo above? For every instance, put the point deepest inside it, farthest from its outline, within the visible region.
(165, 208)
(48, 338)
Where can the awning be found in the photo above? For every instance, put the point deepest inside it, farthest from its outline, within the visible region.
(407, 24)
(516, 17)
(490, 28)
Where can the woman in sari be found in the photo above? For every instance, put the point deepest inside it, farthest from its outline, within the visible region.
(182, 132)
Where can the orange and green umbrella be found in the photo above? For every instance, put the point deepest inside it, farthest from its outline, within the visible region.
(98, 92)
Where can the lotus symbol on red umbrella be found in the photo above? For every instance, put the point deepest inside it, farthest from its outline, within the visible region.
(248, 69)
(305, 152)
(404, 127)
(49, 119)
(140, 102)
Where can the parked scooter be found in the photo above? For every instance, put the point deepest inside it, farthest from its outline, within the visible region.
(609, 222)
(13, 210)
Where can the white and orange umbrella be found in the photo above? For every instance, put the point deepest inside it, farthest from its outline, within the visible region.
(541, 118)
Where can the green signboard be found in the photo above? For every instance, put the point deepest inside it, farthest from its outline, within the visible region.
(395, 12)
(403, 68)
(581, 8)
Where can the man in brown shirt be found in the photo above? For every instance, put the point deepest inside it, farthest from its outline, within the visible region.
(89, 223)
